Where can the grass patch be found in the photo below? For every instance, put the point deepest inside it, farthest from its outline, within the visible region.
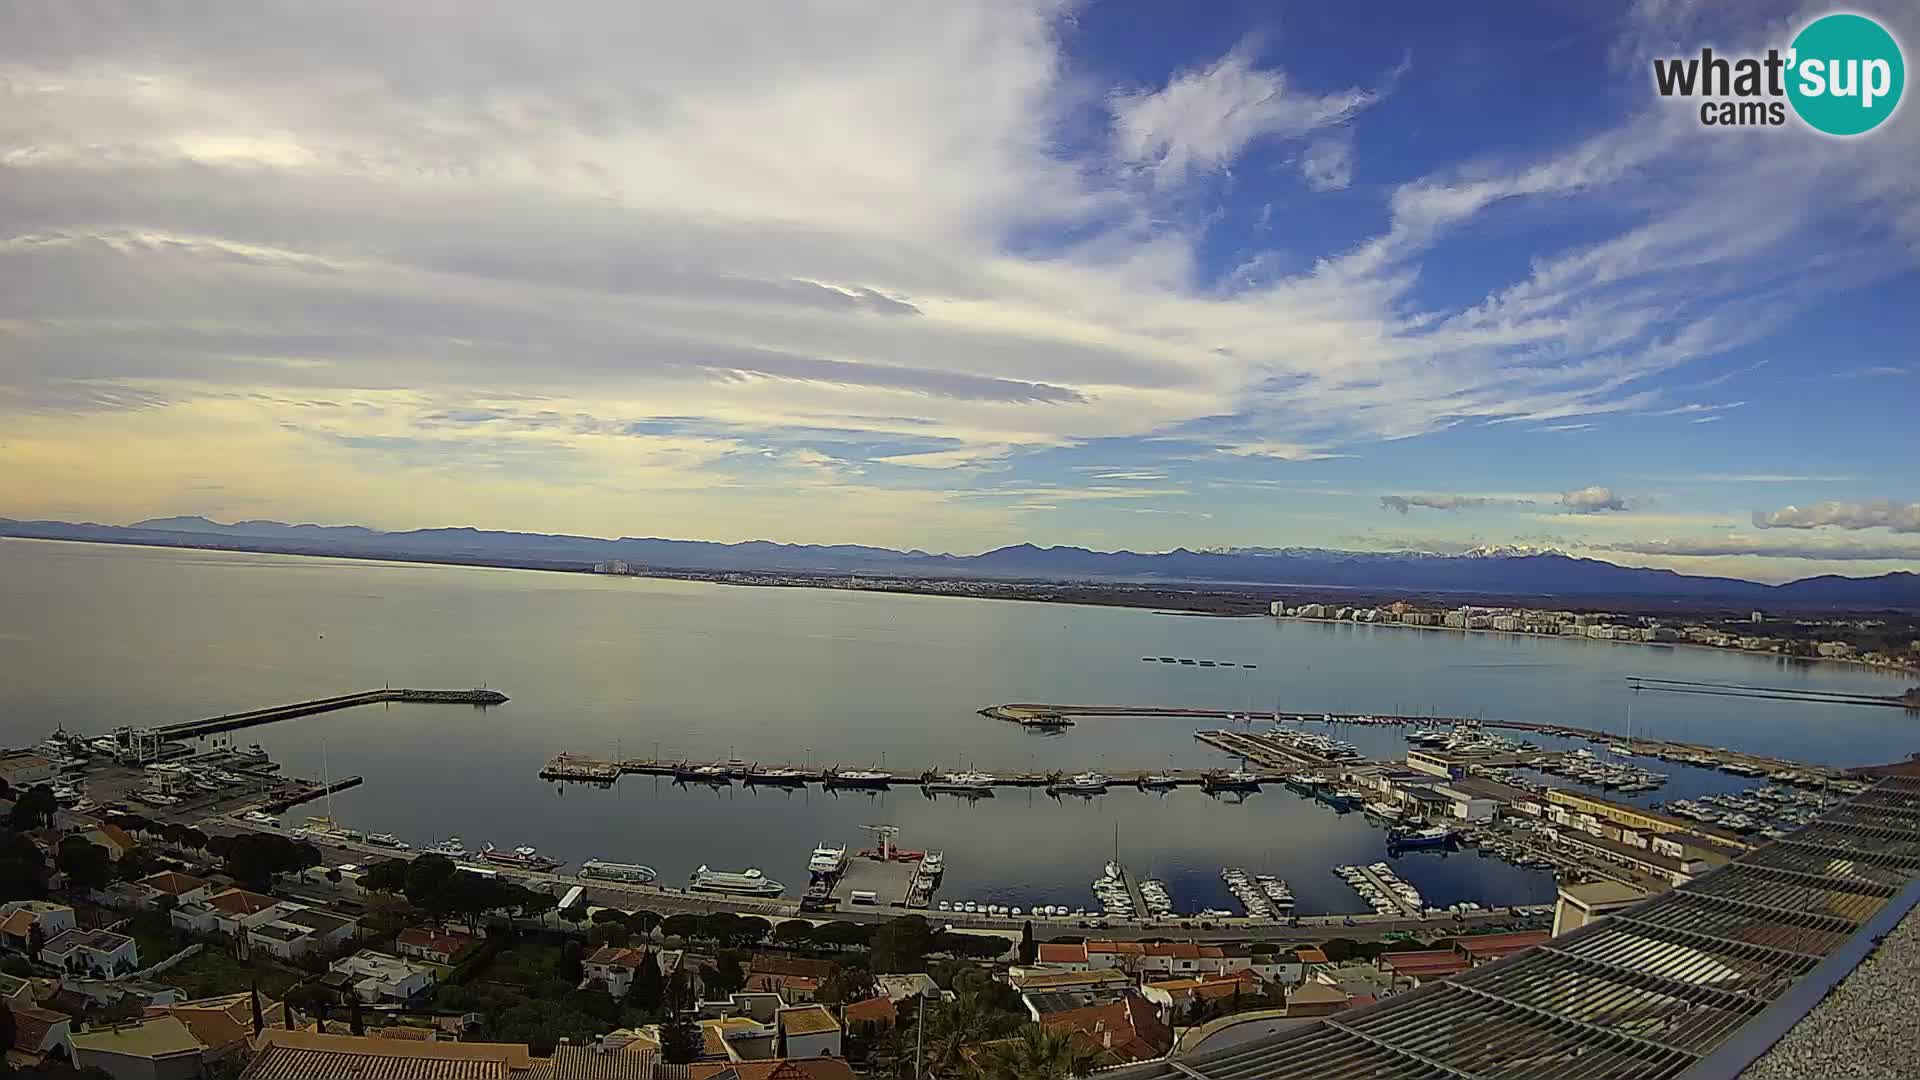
(214, 971)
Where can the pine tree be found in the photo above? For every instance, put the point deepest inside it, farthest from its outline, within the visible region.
(1029, 949)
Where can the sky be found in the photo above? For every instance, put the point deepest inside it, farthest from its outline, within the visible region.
(957, 274)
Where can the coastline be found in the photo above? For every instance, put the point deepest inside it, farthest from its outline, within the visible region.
(1228, 601)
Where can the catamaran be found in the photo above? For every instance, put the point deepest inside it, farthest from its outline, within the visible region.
(750, 882)
(634, 873)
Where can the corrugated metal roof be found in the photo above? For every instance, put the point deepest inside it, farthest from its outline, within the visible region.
(1647, 993)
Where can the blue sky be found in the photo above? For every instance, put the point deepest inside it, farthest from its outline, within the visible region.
(956, 275)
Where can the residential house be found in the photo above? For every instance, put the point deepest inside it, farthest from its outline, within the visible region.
(1073, 956)
(820, 1068)
(612, 970)
(22, 769)
(92, 952)
(376, 977)
(158, 1048)
(1415, 967)
(870, 1017)
(796, 979)
(1315, 998)
(235, 911)
(899, 988)
(19, 917)
(1118, 1033)
(809, 1031)
(223, 1025)
(184, 888)
(1174, 997)
(435, 945)
(308, 1055)
(115, 839)
(16, 989)
(301, 930)
(1486, 948)
(38, 1032)
(592, 1063)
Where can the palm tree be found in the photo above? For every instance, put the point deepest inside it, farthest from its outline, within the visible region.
(951, 1028)
(1038, 1054)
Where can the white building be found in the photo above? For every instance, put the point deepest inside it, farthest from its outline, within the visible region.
(809, 1031)
(19, 917)
(92, 952)
(376, 977)
(301, 931)
(1467, 807)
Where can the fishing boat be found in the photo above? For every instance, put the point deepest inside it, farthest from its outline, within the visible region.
(826, 860)
(1237, 780)
(1086, 783)
(1431, 836)
(1159, 781)
(968, 781)
(632, 873)
(749, 882)
(520, 858)
(451, 847)
(859, 778)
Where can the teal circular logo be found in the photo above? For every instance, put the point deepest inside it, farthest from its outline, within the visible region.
(1846, 74)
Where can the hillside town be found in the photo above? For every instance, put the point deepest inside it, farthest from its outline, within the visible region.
(1811, 639)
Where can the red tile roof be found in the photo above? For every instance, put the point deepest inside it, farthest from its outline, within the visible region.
(1425, 963)
(612, 957)
(782, 964)
(1308, 954)
(1128, 1029)
(816, 1068)
(241, 902)
(1493, 946)
(31, 1024)
(172, 882)
(874, 1010)
(1051, 953)
(436, 940)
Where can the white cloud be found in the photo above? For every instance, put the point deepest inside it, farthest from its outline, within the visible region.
(1401, 503)
(1327, 164)
(1593, 499)
(1202, 119)
(1884, 514)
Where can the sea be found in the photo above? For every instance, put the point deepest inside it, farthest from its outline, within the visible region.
(93, 637)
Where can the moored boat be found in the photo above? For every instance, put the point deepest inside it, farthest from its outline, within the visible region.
(521, 858)
(633, 873)
(749, 882)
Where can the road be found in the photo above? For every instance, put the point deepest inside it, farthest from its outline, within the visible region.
(671, 901)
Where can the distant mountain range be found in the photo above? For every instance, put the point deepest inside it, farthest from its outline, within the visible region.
(1485, 571)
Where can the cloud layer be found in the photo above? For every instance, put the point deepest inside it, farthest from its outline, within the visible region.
(1592, 499)
(1885, 514)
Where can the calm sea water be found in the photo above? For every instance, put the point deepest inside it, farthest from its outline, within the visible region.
(92, 637)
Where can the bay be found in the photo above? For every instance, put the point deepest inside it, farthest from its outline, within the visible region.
(96, 636)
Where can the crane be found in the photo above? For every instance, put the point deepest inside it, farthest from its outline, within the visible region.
(885, 835)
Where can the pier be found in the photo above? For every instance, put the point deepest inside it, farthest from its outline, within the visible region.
(1386, 890)
(274, 713)
(598, 770)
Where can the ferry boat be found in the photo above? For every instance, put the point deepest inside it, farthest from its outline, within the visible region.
(451, 847)
(827, 860)
(1431, 836)
(859, 778)
(961, 781)
(750, 882)
(635, 873)
(523, 858)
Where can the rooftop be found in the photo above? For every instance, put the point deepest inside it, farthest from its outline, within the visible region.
(307, 1055)
(156, 1037)
(1602, 892)
(814, 1068)
(1500, 944)
(1050, 953)
(172, 882)
(98, 940)
(807, 1020)
(1700, 979)
(240, 902)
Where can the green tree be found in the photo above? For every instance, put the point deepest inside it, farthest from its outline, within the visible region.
(680, 1038)
(1038, 1054)
(649, 987)
(34, 808)
(954, 1026)
(901, 945)
(87, 865)
(1029, 949)
(388, 876)
(846, 984)
(256, 858)
(724, 976)
(571, 969)
(793, 933)
(426, 876)
(23, 870)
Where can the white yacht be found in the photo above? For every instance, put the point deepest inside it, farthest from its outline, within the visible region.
(962, 781)
(750, 882)
(827, 859)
